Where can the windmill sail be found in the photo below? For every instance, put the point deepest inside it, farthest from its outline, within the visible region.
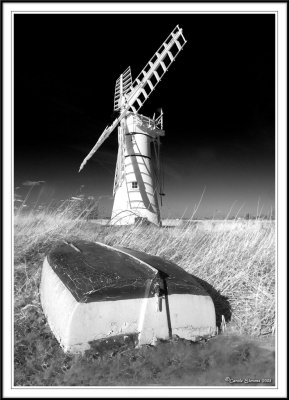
(119, 171)
(105, 134)
(132, 97)
(154, 70)
(122, 86)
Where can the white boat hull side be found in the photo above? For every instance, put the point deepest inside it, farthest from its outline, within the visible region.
(192, 316)
(57, 302)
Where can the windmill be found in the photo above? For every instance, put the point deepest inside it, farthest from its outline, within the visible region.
(138, 182)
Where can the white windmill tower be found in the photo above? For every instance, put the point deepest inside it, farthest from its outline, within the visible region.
(137, 184)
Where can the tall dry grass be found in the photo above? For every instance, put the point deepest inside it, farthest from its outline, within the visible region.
(236, 257)
(34, 232)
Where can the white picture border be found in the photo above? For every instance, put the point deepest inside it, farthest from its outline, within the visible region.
(280, 10)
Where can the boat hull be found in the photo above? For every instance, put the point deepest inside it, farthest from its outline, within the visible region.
(148, 300)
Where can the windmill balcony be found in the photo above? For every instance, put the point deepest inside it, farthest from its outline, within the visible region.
(138, 123)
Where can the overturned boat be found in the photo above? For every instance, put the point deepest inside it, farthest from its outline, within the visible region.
(92, 291)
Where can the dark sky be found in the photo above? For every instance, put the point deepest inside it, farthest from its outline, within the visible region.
(218, 100)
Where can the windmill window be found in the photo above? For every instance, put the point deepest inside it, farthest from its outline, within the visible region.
(134, 185)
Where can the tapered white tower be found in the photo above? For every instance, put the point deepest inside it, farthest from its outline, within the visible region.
(137, 183)
(137, 179)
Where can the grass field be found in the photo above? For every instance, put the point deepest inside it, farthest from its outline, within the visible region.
(236, 259)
